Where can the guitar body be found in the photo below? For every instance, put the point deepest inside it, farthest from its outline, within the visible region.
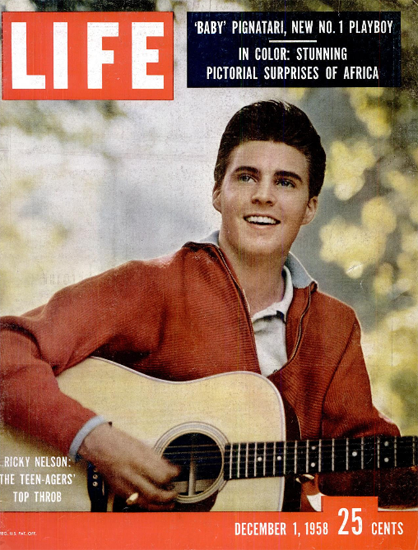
(237, 406)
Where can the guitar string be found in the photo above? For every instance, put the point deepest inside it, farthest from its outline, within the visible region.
(326, 445)
(326, 452)
(213, 457)
(369, 456)
(412, 439)
(234, 469)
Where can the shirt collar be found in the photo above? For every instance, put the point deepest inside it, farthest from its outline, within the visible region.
(299, 276)
(284, 304)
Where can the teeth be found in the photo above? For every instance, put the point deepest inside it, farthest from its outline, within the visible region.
(261, 219)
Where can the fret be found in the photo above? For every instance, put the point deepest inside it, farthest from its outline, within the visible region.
(251, 460)
(362, 453)
(242, 460)
(246, 460)
(264, 459)
(319, 455)
(290, 457)
(260, 460)
(235, 461)
(387, 452)
(254, 468)
(327, 451)
(346, 453)
(340, 454)
(270, 463)
(274, 459)
(307, 457)
(301, 457)
(238, 459)
(295, 465)
(378, 452)
(369, 452)
(313, 464)
(227, 466)
(279, 458)
(355, 454)
(284, 459)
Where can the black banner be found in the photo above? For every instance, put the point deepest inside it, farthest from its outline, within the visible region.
(298, 49)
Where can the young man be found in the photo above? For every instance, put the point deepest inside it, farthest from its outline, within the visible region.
(238, 301)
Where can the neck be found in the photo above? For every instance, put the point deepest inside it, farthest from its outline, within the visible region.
(260, 278)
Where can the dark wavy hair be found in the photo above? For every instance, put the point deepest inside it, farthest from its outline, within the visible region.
(279, 122)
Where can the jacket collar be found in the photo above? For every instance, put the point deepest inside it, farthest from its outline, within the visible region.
(300, 277)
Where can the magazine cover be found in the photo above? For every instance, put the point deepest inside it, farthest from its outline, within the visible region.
(208, 290)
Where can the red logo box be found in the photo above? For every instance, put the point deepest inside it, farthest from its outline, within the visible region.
(88, 55)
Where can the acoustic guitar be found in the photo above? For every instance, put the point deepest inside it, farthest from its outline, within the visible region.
(227, 432)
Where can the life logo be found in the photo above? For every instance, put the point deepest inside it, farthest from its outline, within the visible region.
(88, 55)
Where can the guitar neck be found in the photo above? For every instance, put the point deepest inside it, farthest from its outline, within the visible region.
(254, 460)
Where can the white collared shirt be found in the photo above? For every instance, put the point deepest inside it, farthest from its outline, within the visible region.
(270, 330)
(269, 325)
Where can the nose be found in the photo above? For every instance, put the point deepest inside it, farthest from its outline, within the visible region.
(264, 193)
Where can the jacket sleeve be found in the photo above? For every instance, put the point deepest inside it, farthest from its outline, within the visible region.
(99, 312)
(348, 410)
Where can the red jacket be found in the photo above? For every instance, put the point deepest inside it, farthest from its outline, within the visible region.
(178, 318)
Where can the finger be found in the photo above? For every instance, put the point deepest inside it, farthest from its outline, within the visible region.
(153, 493)
(165, 478)
(133, 499)
(136, 499)
(158, 470)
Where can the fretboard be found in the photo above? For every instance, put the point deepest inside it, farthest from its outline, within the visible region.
(250, 460)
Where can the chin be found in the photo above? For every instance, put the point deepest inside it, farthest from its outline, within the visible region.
(263, 250)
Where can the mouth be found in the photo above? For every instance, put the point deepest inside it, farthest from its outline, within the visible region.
(261, 220)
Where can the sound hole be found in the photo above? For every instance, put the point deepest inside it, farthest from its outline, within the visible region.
(200, 460)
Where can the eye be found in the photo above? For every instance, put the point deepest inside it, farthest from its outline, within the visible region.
(246, 178)
(285, 182)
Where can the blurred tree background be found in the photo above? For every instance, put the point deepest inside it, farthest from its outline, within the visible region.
(87, 185)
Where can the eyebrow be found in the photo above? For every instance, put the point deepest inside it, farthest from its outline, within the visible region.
(279, 173)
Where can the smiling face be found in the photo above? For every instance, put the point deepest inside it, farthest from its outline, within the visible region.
(263, 200)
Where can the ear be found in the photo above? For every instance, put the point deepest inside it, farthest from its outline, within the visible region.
(310, 211)
(216, 198)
